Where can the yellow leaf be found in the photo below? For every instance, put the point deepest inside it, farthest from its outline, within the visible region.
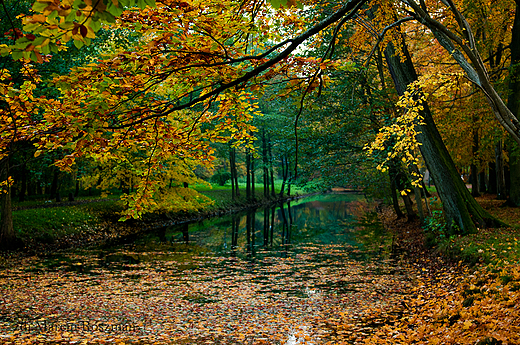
(467, 324)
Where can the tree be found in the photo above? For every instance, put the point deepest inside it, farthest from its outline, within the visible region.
(161, 93)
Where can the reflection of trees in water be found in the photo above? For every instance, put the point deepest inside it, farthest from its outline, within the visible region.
(235, 222)
(185, 233)
(273, 228)
(250, 232)
(267, 228)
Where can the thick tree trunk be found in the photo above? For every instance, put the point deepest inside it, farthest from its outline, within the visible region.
(7, 236)
(513, 103)
(463, 214)
(482, 183)
(252, 177)
(418, 202)
(76, 191)
(285, 174)
(400, 181)
(235, 173)
(55, 183)
(271, 169)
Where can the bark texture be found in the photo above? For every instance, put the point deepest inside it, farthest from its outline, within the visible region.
(463, 214)
(7, 236)
(513, 103)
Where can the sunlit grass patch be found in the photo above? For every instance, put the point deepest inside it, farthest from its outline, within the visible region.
(488, 246)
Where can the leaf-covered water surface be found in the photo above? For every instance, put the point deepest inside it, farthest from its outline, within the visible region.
(288, 275)
(179, 296)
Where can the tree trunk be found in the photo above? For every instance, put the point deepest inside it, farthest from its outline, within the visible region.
(248, 175)
(232, 171)
(54, 184)
(265, 167)
(252, 177)
(235, 172)
(271, 169)
(482, 184)
(463, 214)
(513, 103)
(7, 236)
(76, 191)
(395, 200)
(474, 168)
(418, 202)
(492, 180)
(23, 184)
(500, 171)
(284, 174)
(400, 181)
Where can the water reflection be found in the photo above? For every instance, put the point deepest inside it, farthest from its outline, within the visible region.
(272, 273)
(275, 230)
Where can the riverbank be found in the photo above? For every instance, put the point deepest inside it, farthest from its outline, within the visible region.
(49, 226)
(465, 289)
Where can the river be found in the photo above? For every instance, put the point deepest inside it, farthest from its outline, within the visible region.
(289, 274)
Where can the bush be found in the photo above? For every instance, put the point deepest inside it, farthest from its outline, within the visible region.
(220, 177)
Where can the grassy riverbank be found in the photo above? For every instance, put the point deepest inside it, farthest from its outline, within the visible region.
(87, 219)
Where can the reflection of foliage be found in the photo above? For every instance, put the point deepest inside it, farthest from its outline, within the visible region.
(372, 234)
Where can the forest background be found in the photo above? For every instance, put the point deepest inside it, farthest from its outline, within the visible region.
(146, 99)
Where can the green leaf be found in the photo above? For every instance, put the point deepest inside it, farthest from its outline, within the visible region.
(151, 3)
(17, 55)
(277, 3)
(4, 50)
(54, 47)
(46, 49)
(71, 17)
(39, 40)
(109, 18)
(114, 10)
(33, 56)
(39, 6)
(78, 43)
(22, 43)
(95, 25)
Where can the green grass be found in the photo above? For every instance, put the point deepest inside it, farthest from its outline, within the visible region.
(39, 200)
(48, 224)
(259, 187)
(490, 246)
(222, 194)
(431, 189)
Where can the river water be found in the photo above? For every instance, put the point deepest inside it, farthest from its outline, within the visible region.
(296, 273)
